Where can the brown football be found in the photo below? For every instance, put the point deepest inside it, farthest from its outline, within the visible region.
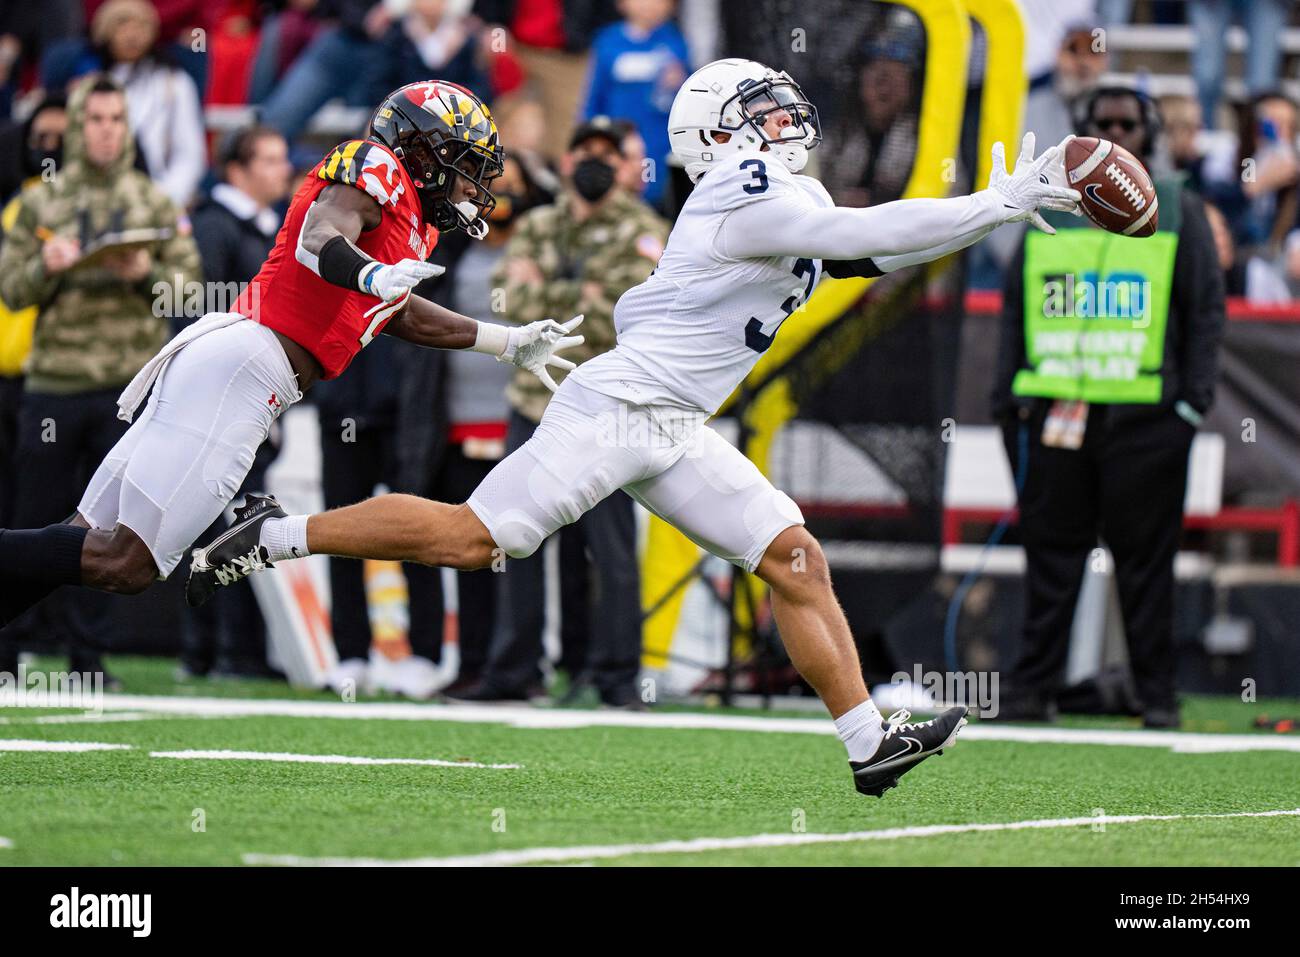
(1118, 194)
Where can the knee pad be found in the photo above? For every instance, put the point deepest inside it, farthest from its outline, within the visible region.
(517, 535)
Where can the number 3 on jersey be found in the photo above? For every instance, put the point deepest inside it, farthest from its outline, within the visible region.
(755, 338)
(758, 173)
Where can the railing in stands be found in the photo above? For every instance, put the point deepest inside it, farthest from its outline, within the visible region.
(1283, 521)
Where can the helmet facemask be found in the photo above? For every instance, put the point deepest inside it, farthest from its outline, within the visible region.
(479, 167)
(757, 100)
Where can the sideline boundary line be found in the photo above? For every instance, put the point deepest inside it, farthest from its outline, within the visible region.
(557, 855)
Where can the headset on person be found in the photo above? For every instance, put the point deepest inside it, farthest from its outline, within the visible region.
(1082, 107)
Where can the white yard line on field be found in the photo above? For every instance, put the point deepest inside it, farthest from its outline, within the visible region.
(556, 855)
(88, 717)
(524, 716)
(322, 759)
(17, 744)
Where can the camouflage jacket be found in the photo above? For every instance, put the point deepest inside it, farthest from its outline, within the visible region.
(94, 330)
(585, 267)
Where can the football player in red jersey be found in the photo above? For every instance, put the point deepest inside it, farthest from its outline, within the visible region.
(351, 249)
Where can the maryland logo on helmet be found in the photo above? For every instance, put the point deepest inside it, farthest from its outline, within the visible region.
(440, 131)
(465, 114)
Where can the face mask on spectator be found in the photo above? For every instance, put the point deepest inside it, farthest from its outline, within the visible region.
(593, 178)
(510, 206)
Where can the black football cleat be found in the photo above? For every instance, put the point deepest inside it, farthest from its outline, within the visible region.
(906, 745)
(234, 554)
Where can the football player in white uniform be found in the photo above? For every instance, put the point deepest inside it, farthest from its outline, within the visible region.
(750, 245)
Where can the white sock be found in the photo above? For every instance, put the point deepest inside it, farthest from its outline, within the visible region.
(284, 538)
(861, 730)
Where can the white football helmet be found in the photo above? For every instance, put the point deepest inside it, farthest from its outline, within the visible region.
(736, 97)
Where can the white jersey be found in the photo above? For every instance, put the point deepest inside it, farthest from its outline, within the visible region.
(690, 333)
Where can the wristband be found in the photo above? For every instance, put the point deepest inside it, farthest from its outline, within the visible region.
(491, 339)
(342, 264)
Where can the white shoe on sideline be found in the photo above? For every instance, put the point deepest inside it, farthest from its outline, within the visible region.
(352, 675)
(903, 695)
(412, 677)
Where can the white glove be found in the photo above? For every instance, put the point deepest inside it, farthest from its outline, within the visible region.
(1033, 184)
(393, 282)
(533, 347)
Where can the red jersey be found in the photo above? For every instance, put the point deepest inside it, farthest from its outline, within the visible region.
(330, 322)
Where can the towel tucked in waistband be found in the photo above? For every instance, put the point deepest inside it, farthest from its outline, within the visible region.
(139, 387)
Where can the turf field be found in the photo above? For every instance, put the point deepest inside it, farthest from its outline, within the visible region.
(536, 785)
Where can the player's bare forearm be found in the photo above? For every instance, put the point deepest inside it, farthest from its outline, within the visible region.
(426, 323)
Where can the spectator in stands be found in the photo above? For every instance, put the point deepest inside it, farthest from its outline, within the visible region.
(102, 315)
(34, 147)
(633, 173)
(577, 255)
(551, 39)
(1080, 62)
(1181, 122)
(522, 122)
(27, 30)
(337, 63)
(11, 49)
(452, 416)
(288, 27)
(1257, 186)
(1271, 169)
(1264, 20)
(432, 40)
(166, 115)
(1102, 440)
(232, 52)
(35, 151)
(873, 150)
(235, 225)
(637, 66)
(177, 19)
(235, 229)
(1233, 266)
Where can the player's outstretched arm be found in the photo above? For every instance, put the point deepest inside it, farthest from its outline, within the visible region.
(530, 347)
(918, 229)
(998, 179)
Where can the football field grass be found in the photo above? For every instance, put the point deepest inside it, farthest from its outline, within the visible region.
(521, 786)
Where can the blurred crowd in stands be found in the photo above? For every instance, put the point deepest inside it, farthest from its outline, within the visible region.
(226, 99)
